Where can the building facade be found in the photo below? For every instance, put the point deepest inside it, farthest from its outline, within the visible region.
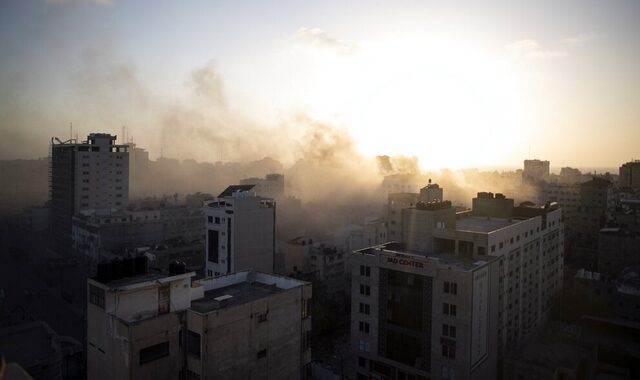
(630, 175)
(144, 325)
(535, 171)
(93, 174)
(240, 232)
(523, 249)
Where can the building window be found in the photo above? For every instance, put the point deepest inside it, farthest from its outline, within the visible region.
(365, 308)
(365, 290)
(262, 354)
(217, 220)
(449, 309)
(210, 219)
(365, 271)
(493, 248)
(448, 330)
(193, 343)
(364, 327)
(449, 349)
(154, 352)
(262, 317)
(364, 346)
(96, 296)
(450, 288)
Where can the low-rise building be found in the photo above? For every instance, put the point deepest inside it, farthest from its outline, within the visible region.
(147, 325)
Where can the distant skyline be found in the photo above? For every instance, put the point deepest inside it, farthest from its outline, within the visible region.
(457, 84)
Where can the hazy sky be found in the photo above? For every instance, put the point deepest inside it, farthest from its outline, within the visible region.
(456, 83)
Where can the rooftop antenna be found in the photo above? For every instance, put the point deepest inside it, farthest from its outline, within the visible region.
(70, 130)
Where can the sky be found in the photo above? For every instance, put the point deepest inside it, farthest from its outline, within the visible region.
(455, 83)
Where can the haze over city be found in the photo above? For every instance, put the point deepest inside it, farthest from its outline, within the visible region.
(499, 81)
(406, 190)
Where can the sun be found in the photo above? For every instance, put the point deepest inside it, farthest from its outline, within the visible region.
(447, 104)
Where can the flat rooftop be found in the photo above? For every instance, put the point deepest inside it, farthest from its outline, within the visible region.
(232, 295)
(461, 263)
(130, 282)
(485, 224)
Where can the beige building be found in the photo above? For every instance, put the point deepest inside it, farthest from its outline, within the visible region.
(522, 251)
(144, 325)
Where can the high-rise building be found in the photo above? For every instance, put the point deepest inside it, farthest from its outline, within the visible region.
(146, 325)
(458, 291)
(93, 174)
(240, 232)
(535, 171)
(630, 175)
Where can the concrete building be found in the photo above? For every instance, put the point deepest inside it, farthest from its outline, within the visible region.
(393, 212)
(596, 206)
(617, 297)
(630, 175)
(400, 183)
(535, 171)
(296, 254)
(271, 186)
(522, 251)
(431, 193)
(569, 176)
(41, 352)
(93, 174)
(618, 248)
(97, 231)
(568, 198)
(240, 232)
(144, 325)
(328, 264)
(417, 316)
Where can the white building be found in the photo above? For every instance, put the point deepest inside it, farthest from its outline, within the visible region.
(143, 325)
(240, 232)
(522, 251)
(93, 174)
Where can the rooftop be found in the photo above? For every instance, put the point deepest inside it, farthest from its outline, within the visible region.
(235, 188)
(484, 224)
(240, 288)
(461, 262)
(232, 295)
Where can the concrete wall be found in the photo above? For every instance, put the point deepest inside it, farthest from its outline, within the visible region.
(233, 336)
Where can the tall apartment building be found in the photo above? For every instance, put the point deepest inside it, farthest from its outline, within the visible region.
(630, 175)
(418, 297)
(535, 171)
(240, 232)
(93, 174)
(271, 186)
(144, 325)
